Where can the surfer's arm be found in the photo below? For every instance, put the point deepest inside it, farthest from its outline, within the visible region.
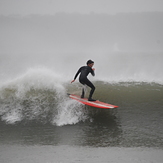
(93, 72)
(76, 75)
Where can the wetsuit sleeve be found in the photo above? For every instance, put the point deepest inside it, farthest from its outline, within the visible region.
(92, 72)
(77, 73)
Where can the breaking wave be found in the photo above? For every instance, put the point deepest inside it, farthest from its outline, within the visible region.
(38, 95)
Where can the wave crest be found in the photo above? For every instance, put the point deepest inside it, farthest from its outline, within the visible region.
(38, 95)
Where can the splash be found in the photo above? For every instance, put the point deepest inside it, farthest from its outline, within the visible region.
(38, 95)
(71, 113)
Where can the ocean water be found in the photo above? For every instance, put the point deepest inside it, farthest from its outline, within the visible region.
(40, 123)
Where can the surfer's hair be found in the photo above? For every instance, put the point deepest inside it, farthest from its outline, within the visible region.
(89, 62)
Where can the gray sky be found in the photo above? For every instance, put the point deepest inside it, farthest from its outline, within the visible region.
(26, 7)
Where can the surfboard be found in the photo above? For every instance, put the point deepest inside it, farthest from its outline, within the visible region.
(97, 104)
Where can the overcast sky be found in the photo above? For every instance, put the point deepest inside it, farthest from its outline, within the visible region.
(26, 7)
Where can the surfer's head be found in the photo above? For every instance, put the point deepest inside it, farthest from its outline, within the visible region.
(90, 63)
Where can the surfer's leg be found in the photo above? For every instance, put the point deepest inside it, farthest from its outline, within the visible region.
(83, 89)
(83, 92)
(88, 83)
(91, 94)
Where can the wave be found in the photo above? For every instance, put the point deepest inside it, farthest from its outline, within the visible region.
(41, 95)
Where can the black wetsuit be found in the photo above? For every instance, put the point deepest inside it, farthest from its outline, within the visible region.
(84, 71)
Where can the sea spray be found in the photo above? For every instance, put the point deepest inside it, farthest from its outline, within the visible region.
(38, 95)
(69, 112)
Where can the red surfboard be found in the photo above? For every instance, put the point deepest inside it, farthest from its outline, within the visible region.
(97, 104)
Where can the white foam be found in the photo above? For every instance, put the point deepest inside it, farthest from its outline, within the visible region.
(69, 112)
(13, 94)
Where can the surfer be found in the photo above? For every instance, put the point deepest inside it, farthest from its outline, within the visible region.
(84, 71)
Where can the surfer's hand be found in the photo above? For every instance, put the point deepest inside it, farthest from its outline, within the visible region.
(72, 81)
(93, 69)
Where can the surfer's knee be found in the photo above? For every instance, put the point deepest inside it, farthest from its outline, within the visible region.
(93, 88)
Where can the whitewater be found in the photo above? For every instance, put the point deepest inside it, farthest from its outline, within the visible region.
(35, 95)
